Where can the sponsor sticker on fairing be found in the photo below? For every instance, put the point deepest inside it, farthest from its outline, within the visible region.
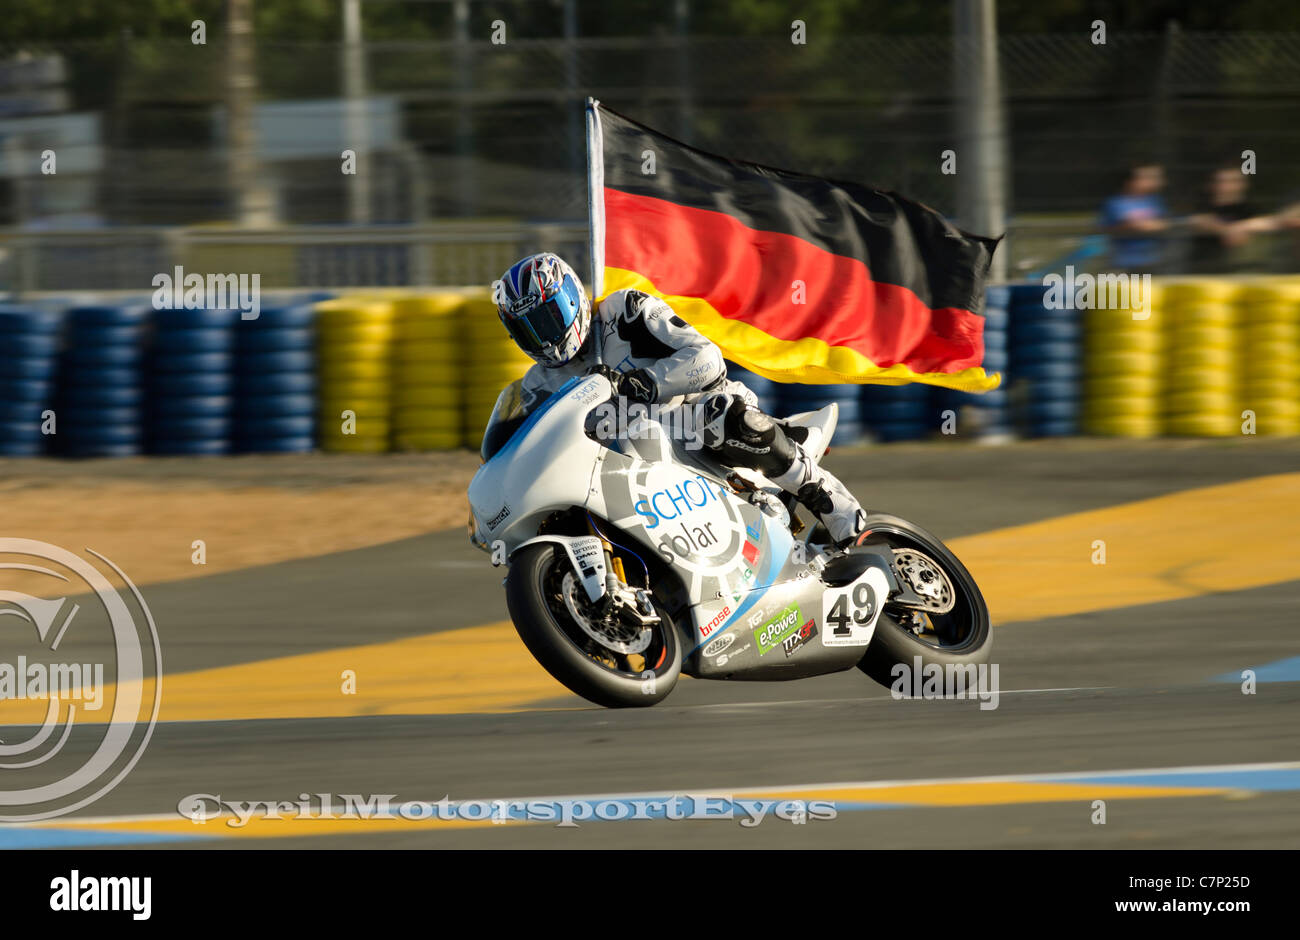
(719, 645)
(796, 640)
(774, 633)
(716, 622)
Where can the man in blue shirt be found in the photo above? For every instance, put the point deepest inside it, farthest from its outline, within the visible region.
(1133, 217)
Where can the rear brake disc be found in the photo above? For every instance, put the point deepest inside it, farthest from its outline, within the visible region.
(926, 579)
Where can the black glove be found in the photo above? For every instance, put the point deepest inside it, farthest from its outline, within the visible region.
(637, 385)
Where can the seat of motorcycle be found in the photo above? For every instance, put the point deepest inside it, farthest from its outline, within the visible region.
(820, 426)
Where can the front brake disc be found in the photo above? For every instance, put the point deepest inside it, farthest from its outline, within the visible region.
(621, 638)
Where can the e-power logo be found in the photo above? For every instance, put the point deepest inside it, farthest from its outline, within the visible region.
(80, 679)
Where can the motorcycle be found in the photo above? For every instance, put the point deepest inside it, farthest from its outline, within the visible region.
(634, 557)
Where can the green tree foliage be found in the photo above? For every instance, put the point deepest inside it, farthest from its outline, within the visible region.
(46, 21)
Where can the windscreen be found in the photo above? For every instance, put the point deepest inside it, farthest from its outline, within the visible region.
(507, 415)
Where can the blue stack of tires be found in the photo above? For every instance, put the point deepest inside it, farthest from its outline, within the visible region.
(793, 399)
(29, 347)
(764, 388)
(985, 415)
(190, 400)
(100, 395)
(275, 381)
(1046, 362)
(898, 412)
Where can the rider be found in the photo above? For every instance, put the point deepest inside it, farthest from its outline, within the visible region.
(651, 355)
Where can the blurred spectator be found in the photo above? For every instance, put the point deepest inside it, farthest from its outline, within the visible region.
(1288, 220)
(1225, 224)
(1133, 217)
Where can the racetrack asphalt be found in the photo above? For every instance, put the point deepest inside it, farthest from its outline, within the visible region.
(1143, 688)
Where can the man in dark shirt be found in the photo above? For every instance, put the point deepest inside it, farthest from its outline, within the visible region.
(1225, 226)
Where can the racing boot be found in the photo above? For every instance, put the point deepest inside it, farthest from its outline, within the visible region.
(825, 497)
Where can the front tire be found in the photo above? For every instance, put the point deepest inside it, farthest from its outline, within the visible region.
(961, 638)
(599, 675)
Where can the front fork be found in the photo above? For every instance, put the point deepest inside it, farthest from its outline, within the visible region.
(616, 584)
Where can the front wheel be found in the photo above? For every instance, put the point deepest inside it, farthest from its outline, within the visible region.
(950, 629)
(608, 664)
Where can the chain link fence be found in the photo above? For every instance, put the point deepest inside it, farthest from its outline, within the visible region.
(469, 147)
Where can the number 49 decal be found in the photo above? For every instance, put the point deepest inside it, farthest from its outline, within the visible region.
(850, 613)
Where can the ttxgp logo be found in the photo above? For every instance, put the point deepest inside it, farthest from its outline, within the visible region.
(80, 679)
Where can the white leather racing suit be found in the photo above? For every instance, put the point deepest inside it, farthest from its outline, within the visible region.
(671, 363)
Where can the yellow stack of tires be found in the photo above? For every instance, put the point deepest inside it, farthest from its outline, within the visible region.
(1269, 328)
(354, 343)
(428, 380)
(1122, 361)
(1202, 373)
(492, 361)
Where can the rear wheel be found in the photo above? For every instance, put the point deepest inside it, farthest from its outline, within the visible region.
(608, 663)
(949, 628)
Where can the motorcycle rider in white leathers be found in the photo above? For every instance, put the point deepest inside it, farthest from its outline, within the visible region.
(651, 355)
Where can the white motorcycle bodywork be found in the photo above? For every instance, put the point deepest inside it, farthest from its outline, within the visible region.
(750, 602)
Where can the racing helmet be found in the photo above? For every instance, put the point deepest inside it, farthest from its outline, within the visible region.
(543, 306)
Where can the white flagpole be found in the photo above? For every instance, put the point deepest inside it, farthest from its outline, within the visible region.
(595, 199)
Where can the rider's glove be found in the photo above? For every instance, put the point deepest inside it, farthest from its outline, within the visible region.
(637, 385)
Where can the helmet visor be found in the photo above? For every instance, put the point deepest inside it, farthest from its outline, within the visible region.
(541, 327)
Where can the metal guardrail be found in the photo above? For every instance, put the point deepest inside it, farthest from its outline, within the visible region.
(129, 258)
(126, 259)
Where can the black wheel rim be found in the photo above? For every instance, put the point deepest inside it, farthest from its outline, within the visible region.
(653, 658)
(952, 632)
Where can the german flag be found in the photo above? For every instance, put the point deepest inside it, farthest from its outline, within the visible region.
(796, 278)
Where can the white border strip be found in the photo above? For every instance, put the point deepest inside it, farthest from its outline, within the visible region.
(742, 792)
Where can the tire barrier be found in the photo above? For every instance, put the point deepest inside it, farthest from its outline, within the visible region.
(428, 389)
(29, 347)
(100, 396)
(275, 381)
(792, 399)
(1201, 377)
(1123, 369)
(422, 371)
(1044, 365)
(492, 361)
(897, 412)
(354, 344)
(1269, 363)
(188, 390)
(986, 416)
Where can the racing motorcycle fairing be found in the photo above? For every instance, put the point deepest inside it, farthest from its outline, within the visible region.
(751, 599)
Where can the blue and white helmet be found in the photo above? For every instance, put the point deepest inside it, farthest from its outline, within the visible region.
(543, 306)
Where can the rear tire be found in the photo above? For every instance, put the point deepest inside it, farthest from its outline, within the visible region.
(966, 632)
(554, 638)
